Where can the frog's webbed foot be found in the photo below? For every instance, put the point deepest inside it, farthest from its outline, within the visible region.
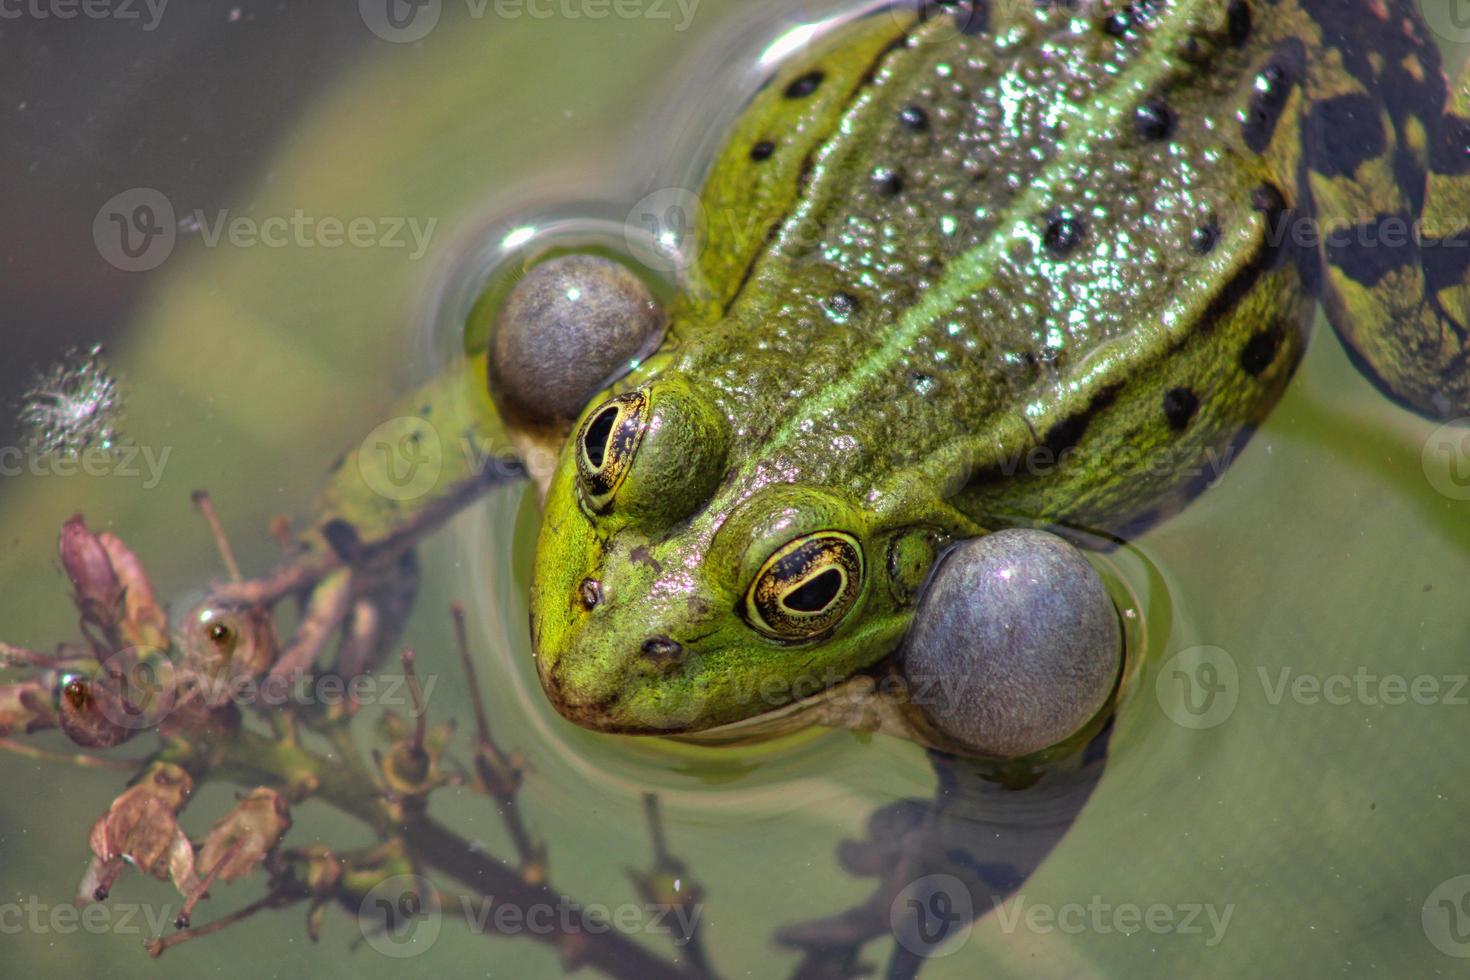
(1385, 174)
(942, 864)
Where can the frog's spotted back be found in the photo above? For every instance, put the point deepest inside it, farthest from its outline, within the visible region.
(975, 216)
(994, 227)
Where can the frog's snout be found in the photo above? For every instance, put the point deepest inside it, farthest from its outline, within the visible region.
(596, 677)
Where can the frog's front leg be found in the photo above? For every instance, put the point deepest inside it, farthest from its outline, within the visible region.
(566, 329)
(1385, 172)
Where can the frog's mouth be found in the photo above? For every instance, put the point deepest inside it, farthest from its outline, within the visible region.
(873, 701)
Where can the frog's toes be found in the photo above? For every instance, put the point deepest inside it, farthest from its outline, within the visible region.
(568, 328)
(1016, 644)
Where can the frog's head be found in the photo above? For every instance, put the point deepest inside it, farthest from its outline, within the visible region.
(670, 596)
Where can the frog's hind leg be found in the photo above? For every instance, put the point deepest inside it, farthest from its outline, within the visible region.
(1385, 169)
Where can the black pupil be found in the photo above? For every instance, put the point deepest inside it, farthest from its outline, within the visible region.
(595, 442)
(817, 594)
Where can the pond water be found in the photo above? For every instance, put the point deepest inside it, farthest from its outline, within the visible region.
(1298, 824)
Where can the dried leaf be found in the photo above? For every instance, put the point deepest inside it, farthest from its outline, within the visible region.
(243, 837)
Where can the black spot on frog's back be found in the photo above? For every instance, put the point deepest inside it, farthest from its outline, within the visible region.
(1368, 252)
(1069, 431)
(1344, 133)
(1270, 92)
(914, 118)
(805, 85)
(1180, 404)
(1154, 120)
(1261, 350)
(1238, 22)
(1064, 232)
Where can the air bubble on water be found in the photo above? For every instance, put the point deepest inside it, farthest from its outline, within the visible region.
(73, 406)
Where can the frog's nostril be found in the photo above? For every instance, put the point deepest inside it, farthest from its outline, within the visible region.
(591, 592)
(662, 651)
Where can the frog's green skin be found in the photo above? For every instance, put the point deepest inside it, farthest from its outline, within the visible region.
(879, 341)
(878, 331)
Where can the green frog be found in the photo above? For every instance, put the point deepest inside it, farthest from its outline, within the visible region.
(963, 267)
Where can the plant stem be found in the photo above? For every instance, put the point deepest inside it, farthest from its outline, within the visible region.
(251, 758)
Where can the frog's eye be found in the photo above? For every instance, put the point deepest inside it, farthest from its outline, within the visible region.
(806, 587)
(606, 445)
(659, 450)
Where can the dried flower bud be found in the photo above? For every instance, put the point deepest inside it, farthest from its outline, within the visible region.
(243, 837)
(227, 646)
(141, 828)
(97, 591)
(132, 691)
(86, 712)
(144, 622)
(411, 767)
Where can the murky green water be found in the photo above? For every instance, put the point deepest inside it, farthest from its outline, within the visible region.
(1298, 826)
